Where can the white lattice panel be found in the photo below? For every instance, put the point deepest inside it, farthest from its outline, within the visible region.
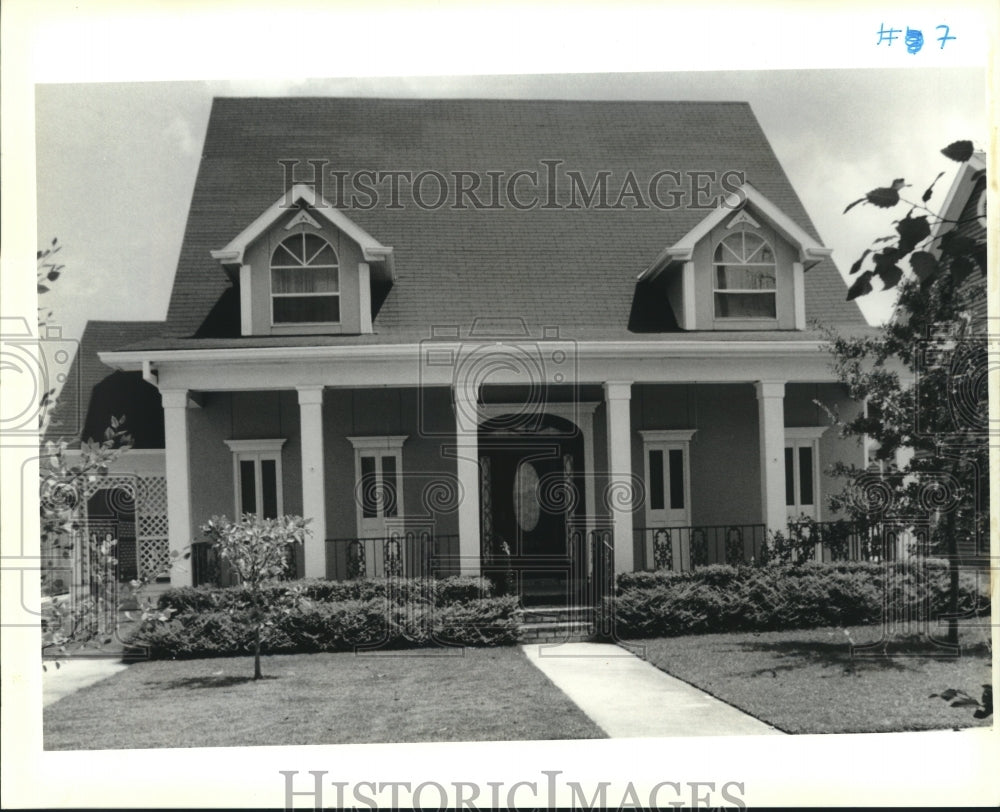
(152, 526)
(153, 497)
(128, 483)
(154, 557)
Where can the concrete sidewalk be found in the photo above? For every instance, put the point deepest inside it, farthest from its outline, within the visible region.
(75, 673)
(629, 698)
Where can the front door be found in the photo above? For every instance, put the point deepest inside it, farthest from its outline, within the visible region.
(531, 494)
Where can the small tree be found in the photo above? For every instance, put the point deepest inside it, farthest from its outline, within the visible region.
(257, 550)
(87, 615)
(938, 408)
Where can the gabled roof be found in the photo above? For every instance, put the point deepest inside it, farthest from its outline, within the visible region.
(575, 269)
(962, 187)
(372, 250)
(809, 249)
(69, 414)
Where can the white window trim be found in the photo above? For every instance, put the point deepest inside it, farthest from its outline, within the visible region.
(664, 440)
(757, 291)
(272, 295)
(798, 437)
(257, 451)
(392, 443)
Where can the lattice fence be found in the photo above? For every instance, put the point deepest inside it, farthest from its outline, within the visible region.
(146, 498)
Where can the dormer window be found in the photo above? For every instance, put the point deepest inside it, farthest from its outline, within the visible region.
(744, 276)
(303, 268)
(739, 269)
(305, 281)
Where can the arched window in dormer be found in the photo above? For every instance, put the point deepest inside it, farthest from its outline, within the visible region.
(305, 281)
(744, 277)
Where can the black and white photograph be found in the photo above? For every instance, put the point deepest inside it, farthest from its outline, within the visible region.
(525, 434)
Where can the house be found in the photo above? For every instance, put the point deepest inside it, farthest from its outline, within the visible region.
(473, 334)
(130, 502)
(964, 212)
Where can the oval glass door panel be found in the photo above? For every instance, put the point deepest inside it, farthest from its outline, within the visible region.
(526, 507)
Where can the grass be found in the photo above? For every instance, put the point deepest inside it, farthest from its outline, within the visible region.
(480, 695)
(807, 682)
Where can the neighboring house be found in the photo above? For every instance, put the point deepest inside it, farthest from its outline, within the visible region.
(130, 503)
(964, 211)
(433, 380)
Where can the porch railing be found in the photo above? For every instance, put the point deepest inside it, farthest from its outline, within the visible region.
(205, 568)
(208, 569)
(845, 540)
(411, 555)
(684, 548)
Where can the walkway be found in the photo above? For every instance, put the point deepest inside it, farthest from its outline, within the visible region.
(75, 673)
(629, 698)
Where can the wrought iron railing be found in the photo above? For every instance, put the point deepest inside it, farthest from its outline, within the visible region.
(205, 567)
(845, 540)
(687, 547)
(411, 554)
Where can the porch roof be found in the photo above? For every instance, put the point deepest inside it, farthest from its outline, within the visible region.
(417, 335)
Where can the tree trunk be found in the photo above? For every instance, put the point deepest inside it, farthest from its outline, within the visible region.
(256, 654)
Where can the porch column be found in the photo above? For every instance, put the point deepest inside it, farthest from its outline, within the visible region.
(313, 487)
(617, 395)
(175, 437)
(771, 423)
(467, 463)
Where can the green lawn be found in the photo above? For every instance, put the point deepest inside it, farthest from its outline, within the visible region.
(806, 681)
(479, 695)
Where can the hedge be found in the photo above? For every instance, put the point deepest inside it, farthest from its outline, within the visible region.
(721, 598)
(440, 592)
(333, 626)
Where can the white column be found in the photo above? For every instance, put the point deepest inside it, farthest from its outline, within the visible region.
(175, 434)
(313, 486)
(799, 293)
(467, 464)
(246, 301)
(771, 422)
(617, 395)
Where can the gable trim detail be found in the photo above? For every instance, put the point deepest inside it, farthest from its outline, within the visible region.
(810, 250)
(372, 249)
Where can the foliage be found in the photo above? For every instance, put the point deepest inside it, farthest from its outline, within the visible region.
(256, 549)
(481, 622)
(722, 598)
(84, 613)
(47, 271)
(923, 378)
(438, 591)
(333, 625)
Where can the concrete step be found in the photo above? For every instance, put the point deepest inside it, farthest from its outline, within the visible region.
(552, 614)
(555, 632)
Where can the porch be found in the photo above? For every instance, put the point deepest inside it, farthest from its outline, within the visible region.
(571, 574)
(501, 466)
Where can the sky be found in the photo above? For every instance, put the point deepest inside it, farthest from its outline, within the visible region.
(116, 162)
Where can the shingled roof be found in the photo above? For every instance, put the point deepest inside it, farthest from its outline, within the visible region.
(75, 410)
(575, 269)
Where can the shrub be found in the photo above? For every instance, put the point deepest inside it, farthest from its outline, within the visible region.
(482, 622)
(783, 596)
(334, 626)
(441, 592)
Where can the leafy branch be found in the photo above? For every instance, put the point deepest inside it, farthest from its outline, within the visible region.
(959, 254)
